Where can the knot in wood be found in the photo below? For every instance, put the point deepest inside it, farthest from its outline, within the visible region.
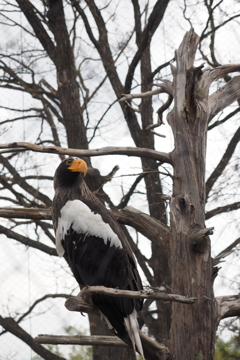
(199, 238)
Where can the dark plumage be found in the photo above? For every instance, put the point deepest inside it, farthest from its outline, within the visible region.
(96, 248)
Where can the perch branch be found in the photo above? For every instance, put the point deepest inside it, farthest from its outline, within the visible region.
(80, 340)
(110, 150)
(152, 350)
(88, 291)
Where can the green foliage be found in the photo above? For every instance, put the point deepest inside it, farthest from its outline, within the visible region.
(229, 350)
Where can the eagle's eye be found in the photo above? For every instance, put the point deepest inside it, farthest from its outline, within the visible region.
(69, 162)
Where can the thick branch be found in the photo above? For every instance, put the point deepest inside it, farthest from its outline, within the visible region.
(211, 74)
(102, 45)
(10, 325)
(109, 150)
(155, 294)
(31, 14)
(148, 226)
(26, 213)
(228, 306)
(224, 96)
(152, 350)
(137, 18)
(80, 340)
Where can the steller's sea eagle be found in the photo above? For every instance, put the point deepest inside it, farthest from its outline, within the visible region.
(96, 248)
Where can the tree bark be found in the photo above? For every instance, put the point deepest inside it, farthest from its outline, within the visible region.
(68, 88)
(192, 329)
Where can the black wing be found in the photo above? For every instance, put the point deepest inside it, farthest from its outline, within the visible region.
(95, 261)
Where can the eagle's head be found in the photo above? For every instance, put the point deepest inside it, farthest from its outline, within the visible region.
(69, 171)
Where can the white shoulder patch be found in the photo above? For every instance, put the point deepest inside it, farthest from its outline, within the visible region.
(78, 215)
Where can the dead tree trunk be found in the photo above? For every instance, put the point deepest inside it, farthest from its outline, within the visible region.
(192, 334)
(192, 330)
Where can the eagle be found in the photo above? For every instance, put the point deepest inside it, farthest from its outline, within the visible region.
(96, 248)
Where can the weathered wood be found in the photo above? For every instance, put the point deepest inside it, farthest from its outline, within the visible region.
(88, 291)
(153, 350)
(228, 306)
(82, 303)
(199, 239)
(109, 150)
(80, 340)
(189, 239)
(191, 269)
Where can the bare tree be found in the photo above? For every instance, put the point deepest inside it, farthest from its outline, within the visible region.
(81, 61)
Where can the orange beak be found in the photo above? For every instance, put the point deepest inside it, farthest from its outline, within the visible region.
(78, 165)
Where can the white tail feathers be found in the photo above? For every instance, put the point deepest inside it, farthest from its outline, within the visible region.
(132, 328)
